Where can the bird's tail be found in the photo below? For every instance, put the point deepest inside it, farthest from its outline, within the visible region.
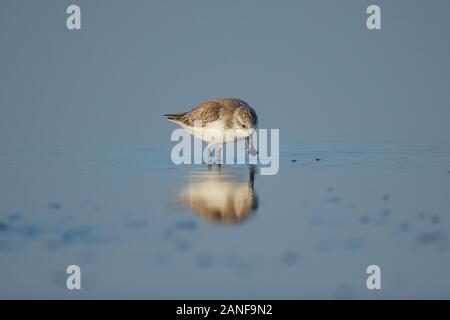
(175, 117)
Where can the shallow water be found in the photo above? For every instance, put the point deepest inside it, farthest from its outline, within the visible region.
(141, 227)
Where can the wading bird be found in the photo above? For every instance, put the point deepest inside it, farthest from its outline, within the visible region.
(219, 121)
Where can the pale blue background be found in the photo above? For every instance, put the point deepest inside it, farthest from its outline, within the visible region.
(309, 67)
(86, 178)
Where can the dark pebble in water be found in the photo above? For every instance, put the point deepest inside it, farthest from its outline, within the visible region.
(318, 159)
(353, 243)
(168, 233)
(330, 189)
(27, 231)
(364, 219)
(431, 237)
(386, 212)
(15, 216)
(289, 258)
(435, 219)
(334, 200)
(203, 261)
(3, 226)
(80, 233)
(182, 245)
(54, 205)
(404, 227)
(186, 225)
(324, 246)
(135, 224)
(59, 278)
(294, 160)
(386, 197)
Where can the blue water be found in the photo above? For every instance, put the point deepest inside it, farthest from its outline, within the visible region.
(140, 227)
(85, 170)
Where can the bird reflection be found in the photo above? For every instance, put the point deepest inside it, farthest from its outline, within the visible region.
(220, 196)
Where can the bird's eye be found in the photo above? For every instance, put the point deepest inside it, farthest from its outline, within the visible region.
(243, 126)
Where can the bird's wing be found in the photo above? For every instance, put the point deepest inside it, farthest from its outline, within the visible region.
(203, 114)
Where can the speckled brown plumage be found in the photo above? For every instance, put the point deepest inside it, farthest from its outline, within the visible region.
(212, 110)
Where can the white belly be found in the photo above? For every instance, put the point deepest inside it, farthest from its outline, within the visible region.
(214, 132)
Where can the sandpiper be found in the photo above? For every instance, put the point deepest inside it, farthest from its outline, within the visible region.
(219, 121)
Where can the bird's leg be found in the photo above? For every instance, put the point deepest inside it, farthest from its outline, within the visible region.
(218, 151)
(208, 149)
(248, 143)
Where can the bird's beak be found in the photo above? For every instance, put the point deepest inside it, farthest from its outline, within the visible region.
(251, 148)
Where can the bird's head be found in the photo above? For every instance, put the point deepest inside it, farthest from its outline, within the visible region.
(245, 121)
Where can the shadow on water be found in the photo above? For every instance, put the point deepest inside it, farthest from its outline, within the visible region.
(219, 194)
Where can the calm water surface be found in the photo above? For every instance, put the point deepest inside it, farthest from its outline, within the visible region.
(141, 227)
